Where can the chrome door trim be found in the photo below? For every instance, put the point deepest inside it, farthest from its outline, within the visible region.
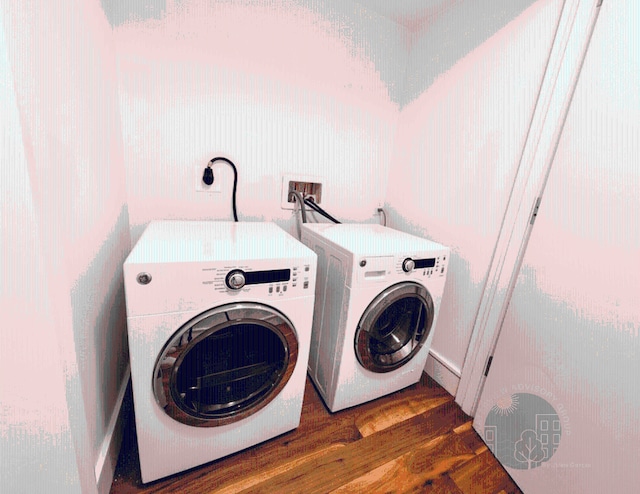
(204, 325)
(388, 297)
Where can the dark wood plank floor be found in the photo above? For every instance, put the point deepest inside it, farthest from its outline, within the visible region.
(416, 440)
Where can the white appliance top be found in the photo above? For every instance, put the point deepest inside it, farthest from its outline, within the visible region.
(197, 241)
(371, 239)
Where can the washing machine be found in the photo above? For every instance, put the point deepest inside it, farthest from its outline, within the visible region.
(219, 321)
(377, 299)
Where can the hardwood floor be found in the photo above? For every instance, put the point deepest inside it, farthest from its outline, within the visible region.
(414, 441)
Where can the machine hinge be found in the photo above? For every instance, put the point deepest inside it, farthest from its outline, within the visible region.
(536, 206)
(486, 371)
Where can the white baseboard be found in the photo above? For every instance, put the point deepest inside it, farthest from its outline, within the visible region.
(110, 449)
(443, 372)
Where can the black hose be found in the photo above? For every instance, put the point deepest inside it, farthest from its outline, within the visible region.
(317, 208)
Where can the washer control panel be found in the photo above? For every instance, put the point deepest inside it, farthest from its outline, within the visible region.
(408, 264)
(421, 265)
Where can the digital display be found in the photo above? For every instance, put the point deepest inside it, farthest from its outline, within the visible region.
(274, 276)
(424, 263)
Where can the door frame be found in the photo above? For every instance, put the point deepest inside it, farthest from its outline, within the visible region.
(571, 41)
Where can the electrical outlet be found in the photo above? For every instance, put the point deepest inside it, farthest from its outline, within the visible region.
(215, 187)
(307, 185)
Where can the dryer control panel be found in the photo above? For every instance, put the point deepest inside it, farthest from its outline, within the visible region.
(270, 282)
(237, 278)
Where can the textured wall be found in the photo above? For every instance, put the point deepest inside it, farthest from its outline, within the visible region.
(276, 87)
(445, 33)
(63, 65)
(573, 324)
(35, 434)
(457, 148)
(366, 28)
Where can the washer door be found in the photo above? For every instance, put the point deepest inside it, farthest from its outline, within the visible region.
(225, 364)
(394, 327)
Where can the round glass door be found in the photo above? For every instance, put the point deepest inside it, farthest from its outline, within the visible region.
(394, 327)
(225, 364)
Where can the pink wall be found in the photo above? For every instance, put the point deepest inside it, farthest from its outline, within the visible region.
(573, 323)
(275, 87)
(456, 152)
(63, 65)
(35, 433)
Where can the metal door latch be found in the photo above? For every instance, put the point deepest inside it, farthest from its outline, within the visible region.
(536, 206)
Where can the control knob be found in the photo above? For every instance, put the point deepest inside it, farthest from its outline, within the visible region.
(408, 264)
(235, 279)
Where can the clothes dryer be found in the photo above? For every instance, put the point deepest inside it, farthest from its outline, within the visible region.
(219, 323)
(378, 292)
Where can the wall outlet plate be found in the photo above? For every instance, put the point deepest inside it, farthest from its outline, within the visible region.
(215, 187)
(312, 179)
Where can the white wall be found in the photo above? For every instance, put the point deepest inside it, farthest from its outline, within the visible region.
(277, 88)
(36, 444)
(446, 33)
(62, 63)
(573, 323)
(367, 28)
(457, 148)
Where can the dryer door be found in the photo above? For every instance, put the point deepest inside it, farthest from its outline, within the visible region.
(225, 364)
(394, 327)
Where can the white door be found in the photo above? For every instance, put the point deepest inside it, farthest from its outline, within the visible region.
(560, 407)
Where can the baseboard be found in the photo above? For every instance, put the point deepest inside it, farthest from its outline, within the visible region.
(443, 372)
(110, 448)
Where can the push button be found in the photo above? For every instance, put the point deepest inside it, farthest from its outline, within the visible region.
(305, 284)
